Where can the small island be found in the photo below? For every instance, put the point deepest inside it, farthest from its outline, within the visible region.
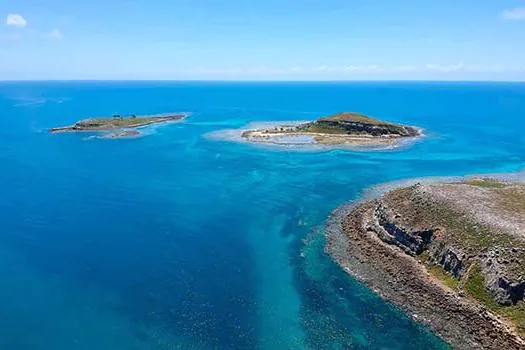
(346, 128)
(120, 126)
(450, 254)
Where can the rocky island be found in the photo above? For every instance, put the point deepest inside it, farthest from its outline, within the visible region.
(452, 255)
(121, 126)
(346, 128)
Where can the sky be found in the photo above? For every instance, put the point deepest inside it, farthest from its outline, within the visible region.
(262, 40)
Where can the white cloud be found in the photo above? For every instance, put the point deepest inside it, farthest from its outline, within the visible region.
(15, 20)
(516, 14)
(55, 34)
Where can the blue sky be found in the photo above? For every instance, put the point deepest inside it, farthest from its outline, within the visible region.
(263, 39)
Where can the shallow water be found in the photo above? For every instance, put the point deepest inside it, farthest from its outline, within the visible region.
(175, 240)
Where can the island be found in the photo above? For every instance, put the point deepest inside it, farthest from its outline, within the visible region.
(452, 255)
(346, 128)
(120, 126)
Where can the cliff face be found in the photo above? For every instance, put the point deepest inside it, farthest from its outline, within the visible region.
(452, 238)
(359, 128)
(351, 127)
(412, 240)
(349, 123)
(451, 253)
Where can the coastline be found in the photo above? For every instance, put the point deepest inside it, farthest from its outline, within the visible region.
(285, 134)
(375, 191)
(119, 131)
(403, 280)
(306, 142)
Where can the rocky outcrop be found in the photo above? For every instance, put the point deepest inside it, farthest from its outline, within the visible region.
(513, 291)
(506, 289)
(399, 278)
(391, 241)
(451, 259)
(352, 127)
(412, 241)
(416, 221)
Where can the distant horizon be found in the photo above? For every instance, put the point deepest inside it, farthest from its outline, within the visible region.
(260, 81)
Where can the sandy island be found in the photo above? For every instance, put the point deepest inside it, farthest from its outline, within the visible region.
(120, 126)
(450, 254)
(346, 128)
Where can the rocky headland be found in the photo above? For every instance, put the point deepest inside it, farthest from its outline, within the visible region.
(450, 254)
(344, 128)
(121, 125)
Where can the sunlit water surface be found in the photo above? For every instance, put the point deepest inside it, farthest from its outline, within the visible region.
(177, 240)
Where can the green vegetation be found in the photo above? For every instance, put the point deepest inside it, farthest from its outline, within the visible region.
(438, 272)
(461, 230)
(475, 287)
(486, 183)
(467, 233)
(358, 126)
(512, 200)
(424, 256)
(456, 213)
(348, 123)
(354, 117)
(117, 122)
(319, 128)
(458, 229)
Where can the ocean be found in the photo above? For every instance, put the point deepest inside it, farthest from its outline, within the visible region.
(178, 240)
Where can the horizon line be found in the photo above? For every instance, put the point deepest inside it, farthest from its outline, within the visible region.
(267, 81)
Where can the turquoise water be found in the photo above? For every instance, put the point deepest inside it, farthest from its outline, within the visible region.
(179, 241)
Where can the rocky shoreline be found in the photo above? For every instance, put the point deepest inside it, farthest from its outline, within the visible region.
(426, 270)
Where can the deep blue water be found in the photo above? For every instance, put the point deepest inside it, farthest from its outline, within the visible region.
(176, 241)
